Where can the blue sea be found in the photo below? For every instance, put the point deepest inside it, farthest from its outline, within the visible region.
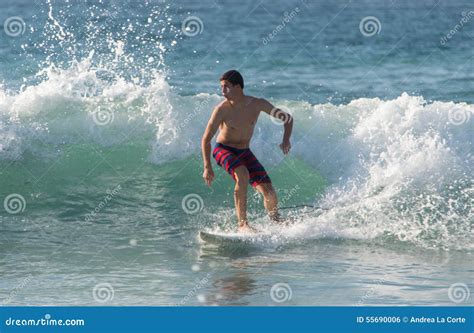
(102, 108)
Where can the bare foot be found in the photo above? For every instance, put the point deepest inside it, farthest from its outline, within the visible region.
(245, 228)
(278, 219)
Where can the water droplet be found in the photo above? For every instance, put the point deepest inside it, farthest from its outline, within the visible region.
(201, 298)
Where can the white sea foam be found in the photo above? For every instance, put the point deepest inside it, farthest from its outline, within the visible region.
(400, 167)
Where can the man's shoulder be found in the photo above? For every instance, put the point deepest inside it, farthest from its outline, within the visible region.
(259, 103)
(254, 99)
(257, 100)
(224, 104)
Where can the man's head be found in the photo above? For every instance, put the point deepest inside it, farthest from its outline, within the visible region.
(232, 83)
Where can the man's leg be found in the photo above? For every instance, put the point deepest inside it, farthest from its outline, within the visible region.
(270, 200)
(240, 197)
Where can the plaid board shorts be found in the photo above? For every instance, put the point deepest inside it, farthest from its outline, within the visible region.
(231, 158)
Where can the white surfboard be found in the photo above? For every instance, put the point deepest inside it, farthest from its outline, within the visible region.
(222, 238)
(232, 238)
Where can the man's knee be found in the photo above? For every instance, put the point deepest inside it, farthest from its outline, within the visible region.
(268, 191)
(272, 195)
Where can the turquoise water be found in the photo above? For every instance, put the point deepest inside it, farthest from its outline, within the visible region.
(102, 106)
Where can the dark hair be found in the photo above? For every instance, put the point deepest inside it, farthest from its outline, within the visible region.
(233, 77)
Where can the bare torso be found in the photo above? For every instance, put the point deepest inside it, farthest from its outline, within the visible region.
(239, 121)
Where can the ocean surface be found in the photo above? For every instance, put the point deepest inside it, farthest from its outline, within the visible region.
(102, 107)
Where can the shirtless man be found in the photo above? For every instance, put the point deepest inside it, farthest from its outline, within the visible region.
(236, 117)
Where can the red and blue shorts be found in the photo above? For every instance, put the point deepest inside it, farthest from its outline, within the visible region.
(231, 158)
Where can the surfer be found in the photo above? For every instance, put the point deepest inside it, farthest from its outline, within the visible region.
(235, 117)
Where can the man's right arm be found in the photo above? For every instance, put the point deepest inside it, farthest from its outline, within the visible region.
(211, 129)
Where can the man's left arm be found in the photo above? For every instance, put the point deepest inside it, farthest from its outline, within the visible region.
(283, 116)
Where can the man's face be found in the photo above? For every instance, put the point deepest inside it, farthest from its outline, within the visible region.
(227, 89)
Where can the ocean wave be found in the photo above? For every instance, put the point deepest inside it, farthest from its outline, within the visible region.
(400, 167)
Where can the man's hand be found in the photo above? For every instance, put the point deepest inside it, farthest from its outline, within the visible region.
(287, 118)
(285, 147)
(208, 175)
